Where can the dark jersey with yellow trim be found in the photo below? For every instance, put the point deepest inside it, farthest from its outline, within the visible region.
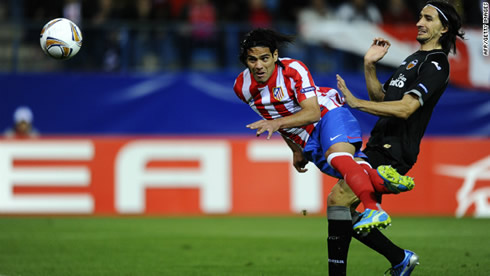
(425, 74)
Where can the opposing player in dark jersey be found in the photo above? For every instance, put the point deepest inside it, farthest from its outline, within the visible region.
(404, 105)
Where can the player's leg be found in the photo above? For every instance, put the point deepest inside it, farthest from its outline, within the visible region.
(332, 146)
(340, 156)
(360, 183)
(339, 136)
(388, 175)
(340, 232)
(341, 198)
(386, 179)
(397, 256)
(379, 243)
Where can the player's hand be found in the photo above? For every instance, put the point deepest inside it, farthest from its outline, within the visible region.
(299, 162)
(262, 126)
(377, 51)
(350, 99)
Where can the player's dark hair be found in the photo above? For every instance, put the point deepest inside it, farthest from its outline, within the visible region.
(265, 38)
(450, 19)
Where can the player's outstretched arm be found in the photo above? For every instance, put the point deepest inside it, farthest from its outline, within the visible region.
(401, 109)
(310, 113)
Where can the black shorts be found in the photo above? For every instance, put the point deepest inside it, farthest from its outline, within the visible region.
(377, 158)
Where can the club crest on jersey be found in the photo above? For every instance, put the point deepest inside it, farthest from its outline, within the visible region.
(412, 64)
(277, 93)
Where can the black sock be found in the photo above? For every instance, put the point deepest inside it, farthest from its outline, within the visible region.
(339, 237)
(381, 244)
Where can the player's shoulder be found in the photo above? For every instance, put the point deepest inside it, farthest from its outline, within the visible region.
(242, 74)
(436, 55)
(292, 66)
(437, 60)
(287, 62)
(241, 78)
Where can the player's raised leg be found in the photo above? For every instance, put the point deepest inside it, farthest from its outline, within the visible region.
(387, 180)
(360, 183)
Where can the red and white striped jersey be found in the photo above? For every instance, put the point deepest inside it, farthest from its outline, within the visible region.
(281, 95)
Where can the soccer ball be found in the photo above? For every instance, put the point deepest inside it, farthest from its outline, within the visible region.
(61, 38)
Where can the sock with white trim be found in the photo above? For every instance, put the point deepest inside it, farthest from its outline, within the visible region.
(376, 180)
(356, 177)
(339, 238)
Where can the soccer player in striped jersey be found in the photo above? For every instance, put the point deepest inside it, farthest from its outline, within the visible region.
(311, 120)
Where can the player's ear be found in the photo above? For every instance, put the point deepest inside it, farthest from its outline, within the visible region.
(275, 55)
(444, 30)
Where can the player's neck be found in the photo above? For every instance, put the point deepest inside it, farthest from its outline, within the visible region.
(429, 46)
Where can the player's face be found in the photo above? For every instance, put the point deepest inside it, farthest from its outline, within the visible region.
(261, 62)
(429, 27)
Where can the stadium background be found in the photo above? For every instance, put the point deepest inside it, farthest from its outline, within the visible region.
(153, 81)
(144, 165)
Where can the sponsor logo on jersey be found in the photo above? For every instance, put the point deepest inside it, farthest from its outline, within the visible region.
(412, 64)
(399, 82)
(277, 93)
(308, 89)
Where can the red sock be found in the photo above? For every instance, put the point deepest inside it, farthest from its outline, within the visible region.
(376, 180)
(355, 176)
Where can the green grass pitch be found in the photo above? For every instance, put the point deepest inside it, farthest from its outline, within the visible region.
(223, 245)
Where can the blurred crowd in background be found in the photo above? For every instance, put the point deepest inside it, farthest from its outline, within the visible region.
(155, 35)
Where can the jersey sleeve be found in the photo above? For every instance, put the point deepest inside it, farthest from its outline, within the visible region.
(237, 87)
(432, 76)
(304, 86)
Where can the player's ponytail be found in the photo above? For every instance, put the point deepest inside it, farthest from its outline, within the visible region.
(262, 37)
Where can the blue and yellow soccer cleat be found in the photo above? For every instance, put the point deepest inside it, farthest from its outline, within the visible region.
(406, 267)
(372, 219)
(394, 181)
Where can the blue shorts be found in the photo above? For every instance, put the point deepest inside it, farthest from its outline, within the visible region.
(338, 125)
